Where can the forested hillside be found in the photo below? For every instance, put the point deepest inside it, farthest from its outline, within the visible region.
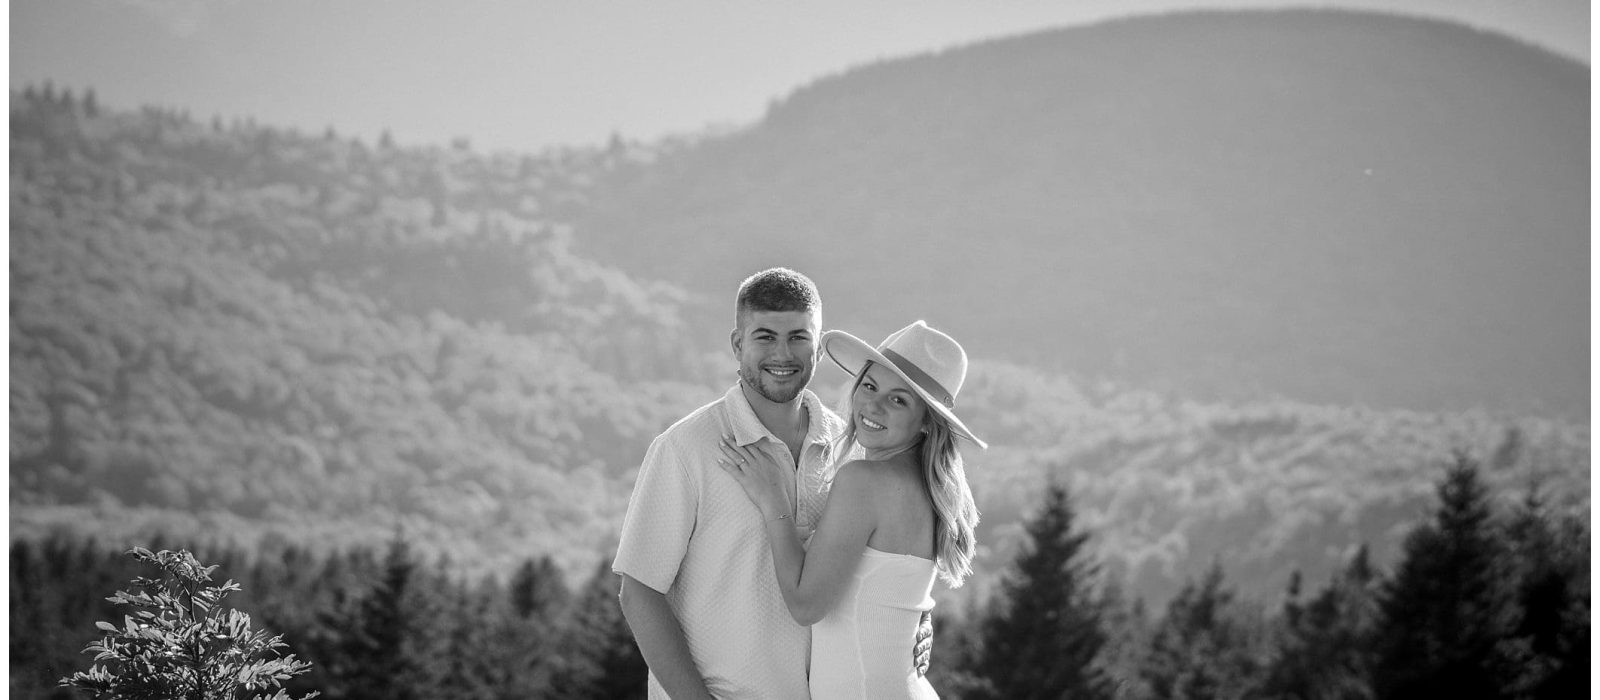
(1170, 486)
(1334, 207)
(232, 332)
(238, 330)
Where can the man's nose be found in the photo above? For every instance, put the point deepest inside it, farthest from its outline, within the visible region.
(784, 352)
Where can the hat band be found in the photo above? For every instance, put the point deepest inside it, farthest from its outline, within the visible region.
(915, 373)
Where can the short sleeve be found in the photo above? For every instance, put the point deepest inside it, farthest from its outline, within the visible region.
(660, 518)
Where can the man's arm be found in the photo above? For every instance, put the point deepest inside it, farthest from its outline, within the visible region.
(922, 647)
(661, 641)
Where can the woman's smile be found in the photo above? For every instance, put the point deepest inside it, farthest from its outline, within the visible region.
(895, 409)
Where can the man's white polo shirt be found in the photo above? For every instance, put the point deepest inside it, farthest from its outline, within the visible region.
(691, 533)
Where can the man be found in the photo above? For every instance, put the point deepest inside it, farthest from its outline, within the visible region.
(698, 587)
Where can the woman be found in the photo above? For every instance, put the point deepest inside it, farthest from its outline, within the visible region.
(894, 518)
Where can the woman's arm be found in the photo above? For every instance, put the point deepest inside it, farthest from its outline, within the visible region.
(811, 581)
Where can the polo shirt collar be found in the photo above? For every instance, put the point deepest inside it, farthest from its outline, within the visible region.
(748, 429)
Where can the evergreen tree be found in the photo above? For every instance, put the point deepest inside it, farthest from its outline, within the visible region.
(956, 656)
(1451, 602)
(1129, 633)
(34, 663)
(537, 589)
(1550, 648)
(1204, 648)
(1044, 636)
(1323, 653)
(599, 660)
(473, 664)
(381, 653)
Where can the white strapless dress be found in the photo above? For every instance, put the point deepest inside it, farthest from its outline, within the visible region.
(862, 649)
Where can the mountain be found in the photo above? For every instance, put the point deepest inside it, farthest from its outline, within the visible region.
(237, 332)
(1323, 206)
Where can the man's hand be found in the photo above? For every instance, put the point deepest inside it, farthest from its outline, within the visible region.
(922, 650)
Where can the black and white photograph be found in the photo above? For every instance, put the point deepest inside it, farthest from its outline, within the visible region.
(871, 350)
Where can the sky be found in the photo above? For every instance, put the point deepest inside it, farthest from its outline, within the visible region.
(536, 74)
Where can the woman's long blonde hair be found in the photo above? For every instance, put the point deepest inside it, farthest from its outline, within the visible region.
(945, 476)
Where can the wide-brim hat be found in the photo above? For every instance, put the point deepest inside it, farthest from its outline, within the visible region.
(931, 363)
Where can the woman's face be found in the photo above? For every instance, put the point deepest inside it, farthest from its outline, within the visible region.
(887, 413)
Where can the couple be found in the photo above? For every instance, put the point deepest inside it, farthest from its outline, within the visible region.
(724, 597)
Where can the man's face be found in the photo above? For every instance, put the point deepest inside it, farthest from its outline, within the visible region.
(777, 351)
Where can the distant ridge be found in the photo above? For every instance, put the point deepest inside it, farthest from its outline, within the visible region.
(1336, 207)
(247, 334)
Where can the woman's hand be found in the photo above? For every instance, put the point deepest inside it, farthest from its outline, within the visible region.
(761, 476)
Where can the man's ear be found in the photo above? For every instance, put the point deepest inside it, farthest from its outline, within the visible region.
(735, 339)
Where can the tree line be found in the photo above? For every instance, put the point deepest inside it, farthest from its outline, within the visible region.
(1487, 601)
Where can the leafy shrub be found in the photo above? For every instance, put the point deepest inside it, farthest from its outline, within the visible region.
(180, 643)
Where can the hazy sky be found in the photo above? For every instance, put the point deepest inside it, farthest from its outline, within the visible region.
(535, 73)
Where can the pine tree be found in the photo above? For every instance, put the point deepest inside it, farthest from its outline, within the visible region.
(1323, 653)
(1128, 629)
(382, 654)
(1451, 601)
(32, 663)
(537, 589)
(1550, 648)
(956, 655)
(1204, 648)
(473, 665)
(599, 658)
(1044, 635)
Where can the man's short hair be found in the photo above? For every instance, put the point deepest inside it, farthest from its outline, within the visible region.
(776, 289)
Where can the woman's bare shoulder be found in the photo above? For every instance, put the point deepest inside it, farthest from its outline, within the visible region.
(873, 475)
(861, 475)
